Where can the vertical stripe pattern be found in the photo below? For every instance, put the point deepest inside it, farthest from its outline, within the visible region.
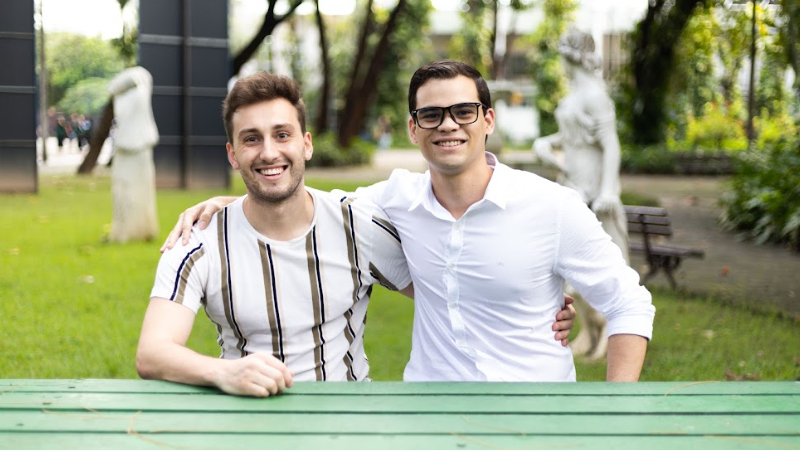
(226, 288)
(355, 274)
(318, 304)
(273, 309)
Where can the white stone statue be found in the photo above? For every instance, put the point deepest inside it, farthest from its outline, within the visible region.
(133, 181)
(588, 162)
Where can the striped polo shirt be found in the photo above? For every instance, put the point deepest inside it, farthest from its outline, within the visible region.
(304, 301)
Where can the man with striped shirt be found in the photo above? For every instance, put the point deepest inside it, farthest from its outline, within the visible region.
(284, 272)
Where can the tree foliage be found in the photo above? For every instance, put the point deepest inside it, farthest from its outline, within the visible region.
(71, 58)
(548, 75)
(87, 96)
(472, 44)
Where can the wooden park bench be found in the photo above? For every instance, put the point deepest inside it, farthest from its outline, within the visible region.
(650, 221)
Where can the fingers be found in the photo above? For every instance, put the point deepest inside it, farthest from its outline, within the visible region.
(174, 234)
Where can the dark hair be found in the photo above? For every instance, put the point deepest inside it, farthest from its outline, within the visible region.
(261, 87)
(446, 69)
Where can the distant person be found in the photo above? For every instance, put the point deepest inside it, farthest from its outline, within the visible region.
(383, 133)
(63, 131)
(489, 249)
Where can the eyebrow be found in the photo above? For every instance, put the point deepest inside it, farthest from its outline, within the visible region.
(276, 127)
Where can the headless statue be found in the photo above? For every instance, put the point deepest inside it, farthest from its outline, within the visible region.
(133, 181)
(587, 137)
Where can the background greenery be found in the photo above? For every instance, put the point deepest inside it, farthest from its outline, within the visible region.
(72, 306)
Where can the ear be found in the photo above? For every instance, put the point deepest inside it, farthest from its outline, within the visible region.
(489, 119)
(412, 130)
(309, 146)
(232, 156)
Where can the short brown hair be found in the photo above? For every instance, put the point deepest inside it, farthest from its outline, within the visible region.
(261, 87)
(446, 69)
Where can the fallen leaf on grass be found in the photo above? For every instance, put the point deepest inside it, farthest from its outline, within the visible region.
(13, 251)
(709, 334)
(730, 376)
(724, 271)
(88, 279)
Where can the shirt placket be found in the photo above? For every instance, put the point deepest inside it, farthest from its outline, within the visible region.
(453, 250)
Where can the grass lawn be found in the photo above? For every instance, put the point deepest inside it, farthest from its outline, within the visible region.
(72, 306)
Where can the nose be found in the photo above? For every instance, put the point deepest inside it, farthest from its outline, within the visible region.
(448, 122)
(269, 150)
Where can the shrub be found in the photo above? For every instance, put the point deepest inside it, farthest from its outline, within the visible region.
(328, 153)
(764, 200)
(649, 159)
(716, 131)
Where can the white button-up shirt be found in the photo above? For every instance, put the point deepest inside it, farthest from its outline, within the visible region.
(487, 286)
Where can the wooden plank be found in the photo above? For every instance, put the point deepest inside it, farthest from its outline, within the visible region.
(62, 441)
(649, 229)
(655, 220)
(400, 388)
(453, 404)
(646, 210)
(348, 423)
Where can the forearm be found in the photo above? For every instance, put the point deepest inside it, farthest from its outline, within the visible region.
(609, 183)
(626, 354)
(164, 360)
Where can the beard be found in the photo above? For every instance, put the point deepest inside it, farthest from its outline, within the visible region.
(273, 195)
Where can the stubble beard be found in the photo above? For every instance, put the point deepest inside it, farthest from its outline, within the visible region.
(273, 197)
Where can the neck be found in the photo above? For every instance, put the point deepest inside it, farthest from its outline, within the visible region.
(284, 220)
(456, 193)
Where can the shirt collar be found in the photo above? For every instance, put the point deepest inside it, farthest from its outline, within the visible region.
(495, 191)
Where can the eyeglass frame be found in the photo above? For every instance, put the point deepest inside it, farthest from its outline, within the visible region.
(450, 112)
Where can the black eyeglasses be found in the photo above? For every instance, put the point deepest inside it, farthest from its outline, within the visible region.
(432, 117)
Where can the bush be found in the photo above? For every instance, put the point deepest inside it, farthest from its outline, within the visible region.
(649, 159)
(764, 200)
(716, 131)
(328, 153)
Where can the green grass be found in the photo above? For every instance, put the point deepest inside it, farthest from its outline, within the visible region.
(72, 306)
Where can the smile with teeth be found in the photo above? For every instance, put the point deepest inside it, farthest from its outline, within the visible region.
(449, 143)
(271, 171)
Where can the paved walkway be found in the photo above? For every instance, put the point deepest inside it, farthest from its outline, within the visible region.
(765, 276)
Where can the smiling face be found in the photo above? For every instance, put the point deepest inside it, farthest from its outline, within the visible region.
(269, 149)
(452, 149)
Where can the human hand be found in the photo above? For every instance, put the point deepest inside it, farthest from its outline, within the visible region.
(605, 203)
(565, 320)
(255, 375)
(200, 213)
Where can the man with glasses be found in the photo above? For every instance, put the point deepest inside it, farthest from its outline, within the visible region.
(489, 249)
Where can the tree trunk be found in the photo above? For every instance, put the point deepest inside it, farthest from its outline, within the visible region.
(359, 99)
(321, 123)
(652, 61)
(267, 27)
(751, 94)
(354, 88)
(99, 136)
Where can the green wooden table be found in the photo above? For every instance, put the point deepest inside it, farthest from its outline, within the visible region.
(135, 414)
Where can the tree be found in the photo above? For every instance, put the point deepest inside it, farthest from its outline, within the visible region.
(71, 58)
(367, 66)
(790, 36)
(652, 60)
(271, 20)
(474, 42)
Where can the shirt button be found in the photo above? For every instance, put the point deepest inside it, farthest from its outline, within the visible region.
(450, 266)
(451, 305)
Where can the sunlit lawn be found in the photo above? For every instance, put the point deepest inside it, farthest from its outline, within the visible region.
(72, 306)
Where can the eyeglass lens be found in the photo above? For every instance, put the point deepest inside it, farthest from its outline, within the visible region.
(462, 114)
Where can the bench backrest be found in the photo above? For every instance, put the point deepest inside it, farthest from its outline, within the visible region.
(648, 220)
